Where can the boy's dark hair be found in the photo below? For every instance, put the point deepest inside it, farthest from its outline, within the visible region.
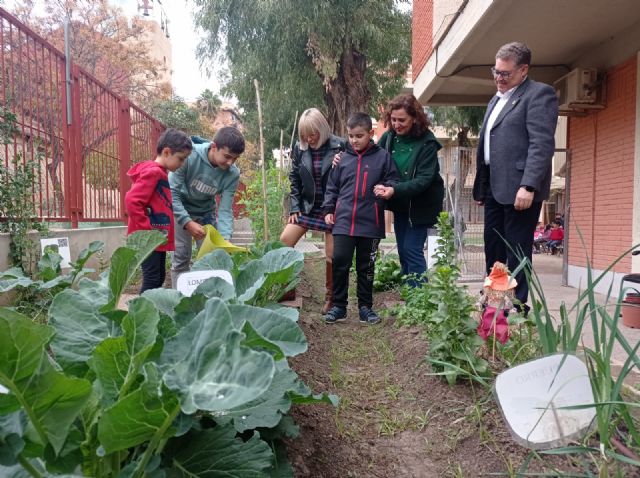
(360, 119)
(175, 140)
(229, 137)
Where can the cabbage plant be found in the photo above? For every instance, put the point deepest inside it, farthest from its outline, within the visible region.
(174, 386)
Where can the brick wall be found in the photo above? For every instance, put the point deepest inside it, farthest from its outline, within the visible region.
(602, 169)
(421, 34)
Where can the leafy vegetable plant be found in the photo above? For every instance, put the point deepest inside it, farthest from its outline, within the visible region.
(388, 273)
(444, 309)
(175, 386)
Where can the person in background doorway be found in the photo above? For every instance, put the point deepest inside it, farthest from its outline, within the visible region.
(556, 236)
(542, 239)
(149, 204)
(208, 171)
(514, 160)
(352, 207)
(311, 164)
(416, 201)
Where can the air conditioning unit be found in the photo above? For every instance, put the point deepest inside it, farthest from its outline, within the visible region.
(578, 89)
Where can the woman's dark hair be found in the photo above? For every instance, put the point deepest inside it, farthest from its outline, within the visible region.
(410, 104)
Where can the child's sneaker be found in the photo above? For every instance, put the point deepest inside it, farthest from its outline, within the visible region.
(336, 314)
(368, 316)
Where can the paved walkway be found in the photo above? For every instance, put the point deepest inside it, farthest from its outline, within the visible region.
(549, 269)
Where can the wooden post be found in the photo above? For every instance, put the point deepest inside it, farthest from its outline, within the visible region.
(280, 160)
(293, 132)
(264, 164)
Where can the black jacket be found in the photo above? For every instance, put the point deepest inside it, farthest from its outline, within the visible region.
(349, 195)
(420, 193)
(303, 187)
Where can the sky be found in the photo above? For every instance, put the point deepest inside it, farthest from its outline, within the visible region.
(188, 80)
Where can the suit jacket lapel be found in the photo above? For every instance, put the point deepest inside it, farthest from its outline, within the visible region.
(490, 106)
(513, 101)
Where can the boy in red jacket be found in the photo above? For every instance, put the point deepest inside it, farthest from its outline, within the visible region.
(148, 201)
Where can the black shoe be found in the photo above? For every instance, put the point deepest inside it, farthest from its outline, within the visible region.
(336, 314)
(367, 315)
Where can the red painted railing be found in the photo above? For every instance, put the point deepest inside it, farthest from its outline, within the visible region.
(81, 165)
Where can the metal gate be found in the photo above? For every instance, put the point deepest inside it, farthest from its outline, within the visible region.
(459, 162)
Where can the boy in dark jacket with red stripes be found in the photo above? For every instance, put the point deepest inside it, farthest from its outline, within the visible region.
(149, 204)
(357, 216)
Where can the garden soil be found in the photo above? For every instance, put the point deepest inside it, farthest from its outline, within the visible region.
(395, 419)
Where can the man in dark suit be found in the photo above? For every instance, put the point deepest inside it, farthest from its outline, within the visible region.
(514, 160)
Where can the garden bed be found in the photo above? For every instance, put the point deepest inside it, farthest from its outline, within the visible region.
(394, 418)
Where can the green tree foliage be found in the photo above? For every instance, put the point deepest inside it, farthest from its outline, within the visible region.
(175, 113)
(459, 121)
(208, 104)
(348, 55)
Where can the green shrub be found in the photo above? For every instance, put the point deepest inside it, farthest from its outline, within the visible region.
(253, 201)
(388, 273)
(445, 311)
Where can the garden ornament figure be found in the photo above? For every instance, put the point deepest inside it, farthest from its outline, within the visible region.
(496, 303)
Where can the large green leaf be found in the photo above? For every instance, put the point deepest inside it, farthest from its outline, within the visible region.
(266, 410)
(93, 248)
(118, 361)
(126, 260)
(188, 308)
(216, 287)
(217, 452)
(288, 312)
(21, 346)
(206, 365)
(281, 466)
(250, 279)
(17, 471)
(263, 280)
(219, 259)
(12, 278)
(79, 328)
(281, 260)
(143, 414)
(12, 428)
(272, 326)
(165, 300)
(50, 399)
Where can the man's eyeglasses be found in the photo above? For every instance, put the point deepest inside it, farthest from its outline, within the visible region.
(503, 74)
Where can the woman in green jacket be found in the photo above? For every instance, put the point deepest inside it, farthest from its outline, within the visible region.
(417, 199)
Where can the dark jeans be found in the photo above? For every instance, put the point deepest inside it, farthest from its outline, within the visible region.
(153, 271)
(366, 249)
(410, 239)
(503, 223)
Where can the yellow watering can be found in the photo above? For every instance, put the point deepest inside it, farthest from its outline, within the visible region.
(213, 240)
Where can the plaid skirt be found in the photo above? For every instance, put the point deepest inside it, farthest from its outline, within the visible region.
(314, 221)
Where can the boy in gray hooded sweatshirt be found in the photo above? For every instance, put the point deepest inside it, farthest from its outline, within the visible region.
(208, 171)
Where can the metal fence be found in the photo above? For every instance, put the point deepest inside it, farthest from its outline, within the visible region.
(458, 162)
(81, 137)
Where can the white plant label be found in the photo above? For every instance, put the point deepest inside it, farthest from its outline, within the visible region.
(533, 397)
(189, 281)
(63, 248)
